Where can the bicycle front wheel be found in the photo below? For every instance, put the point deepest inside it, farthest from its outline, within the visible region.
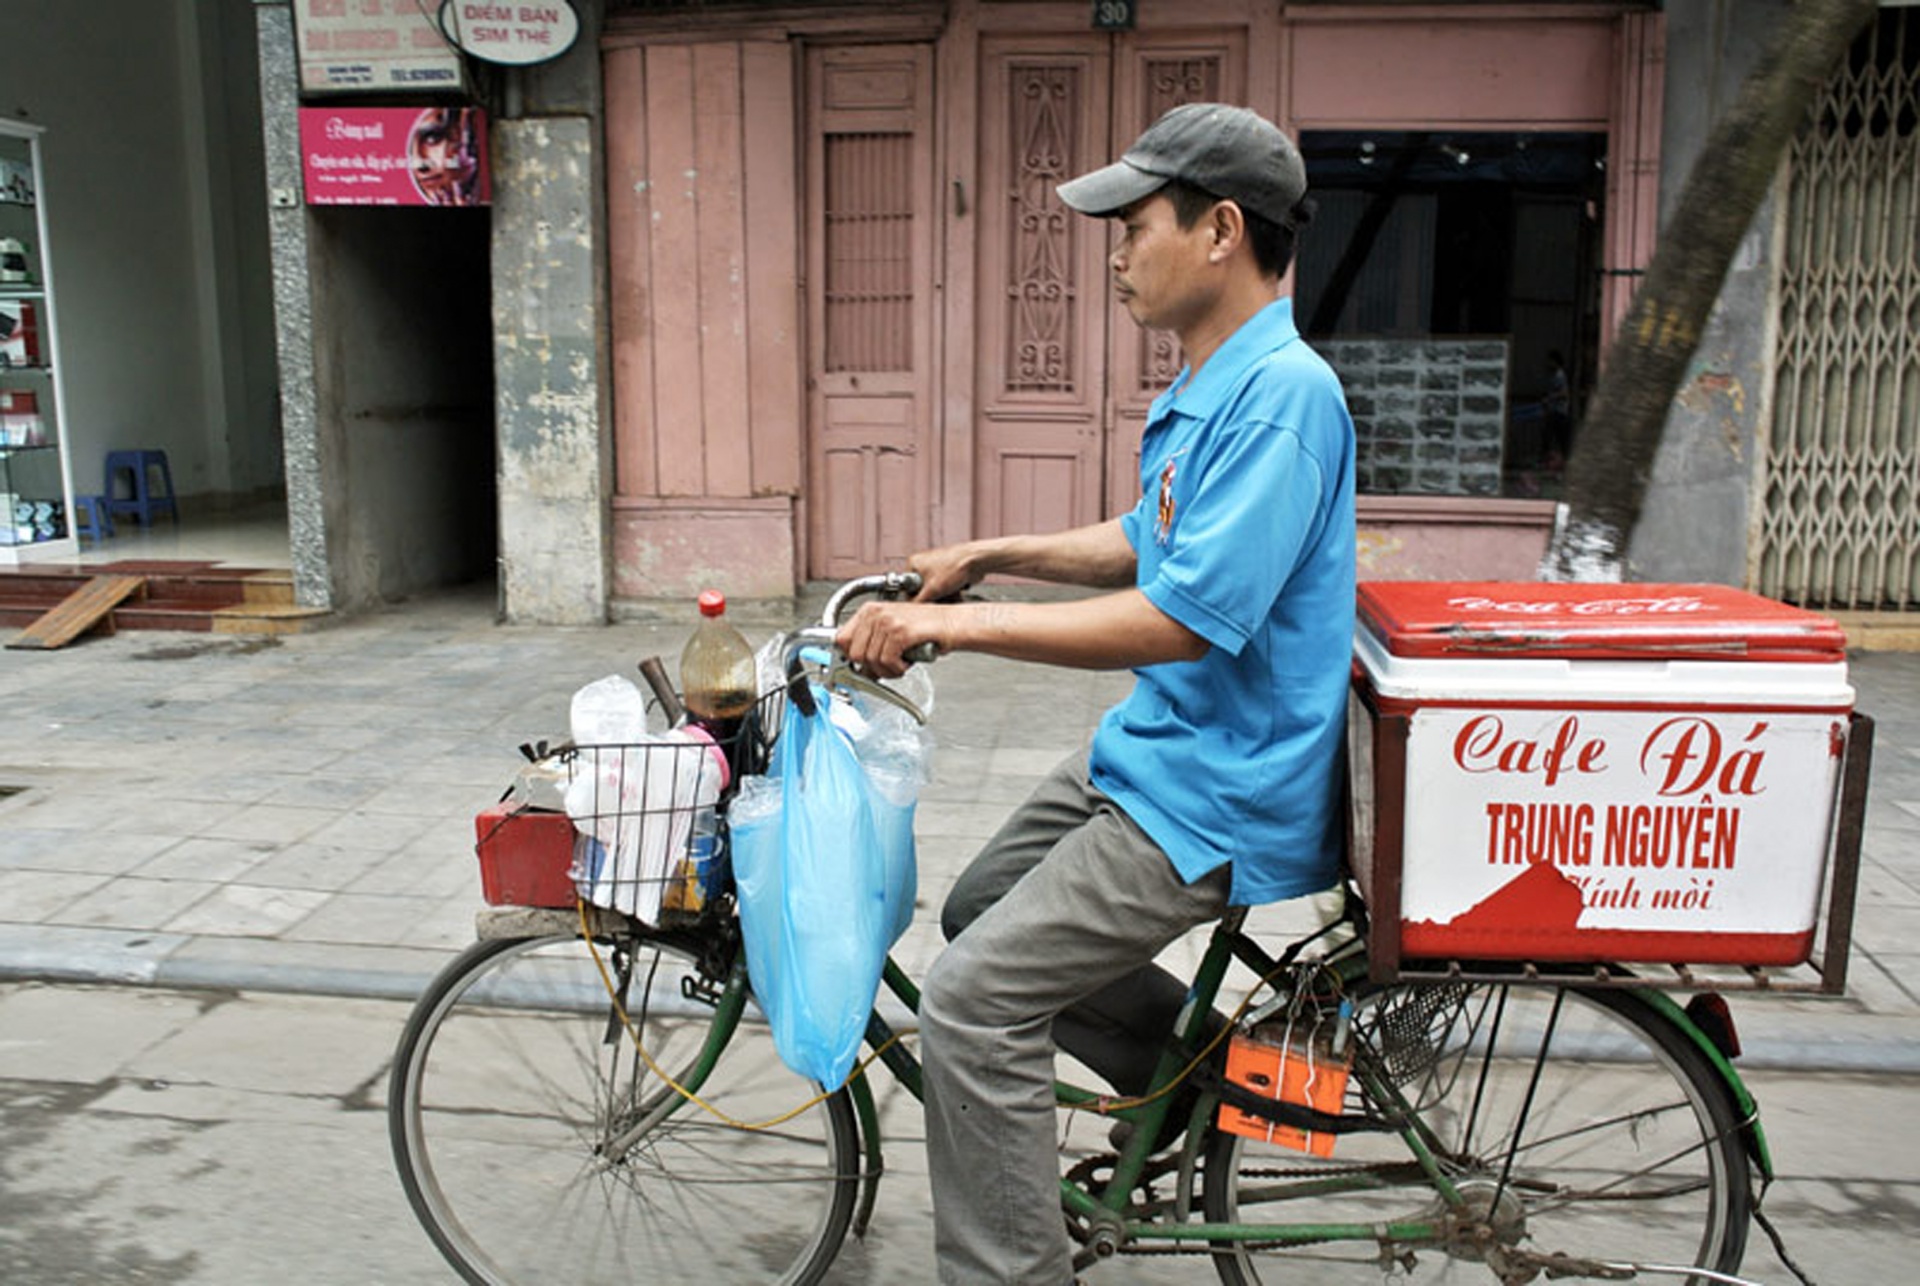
(1579, 1129)
(538, 1143)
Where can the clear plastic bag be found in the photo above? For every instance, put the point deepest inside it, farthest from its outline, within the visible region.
(894, 752)
(636, 794)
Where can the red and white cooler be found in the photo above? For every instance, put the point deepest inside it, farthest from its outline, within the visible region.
(1595, 773)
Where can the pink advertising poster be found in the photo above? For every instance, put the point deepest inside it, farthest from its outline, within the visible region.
(395, 156)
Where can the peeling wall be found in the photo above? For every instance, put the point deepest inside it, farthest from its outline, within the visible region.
(403, 397)
(551, 402)
(548, 397)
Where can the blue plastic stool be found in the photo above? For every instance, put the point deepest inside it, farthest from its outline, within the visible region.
(141, 501)
(91, 519)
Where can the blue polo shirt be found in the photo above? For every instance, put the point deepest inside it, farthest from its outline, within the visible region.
(1245, 535)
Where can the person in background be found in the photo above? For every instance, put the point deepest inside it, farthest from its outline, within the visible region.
(1229, 592)
(1557, 407)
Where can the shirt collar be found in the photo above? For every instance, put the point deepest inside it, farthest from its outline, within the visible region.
(1200, 395)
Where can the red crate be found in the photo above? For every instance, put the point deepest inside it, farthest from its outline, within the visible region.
(525, 854)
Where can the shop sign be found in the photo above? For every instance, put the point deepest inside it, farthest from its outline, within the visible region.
(395, 156)
(373, 46)
(517, 33)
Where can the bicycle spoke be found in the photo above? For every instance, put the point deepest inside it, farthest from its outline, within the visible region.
(1561, 1125)
(535, 1149)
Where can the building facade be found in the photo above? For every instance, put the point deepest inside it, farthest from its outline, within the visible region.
(769, 293)
(849, 318)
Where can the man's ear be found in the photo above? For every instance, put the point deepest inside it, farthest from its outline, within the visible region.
(1228, 225)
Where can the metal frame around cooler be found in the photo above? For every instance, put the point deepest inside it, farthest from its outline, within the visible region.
(1377, 752)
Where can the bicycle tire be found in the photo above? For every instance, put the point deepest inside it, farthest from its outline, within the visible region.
(1626, 1149)
(514, 1073)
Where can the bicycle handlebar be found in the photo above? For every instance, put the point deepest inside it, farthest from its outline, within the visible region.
(891, 584)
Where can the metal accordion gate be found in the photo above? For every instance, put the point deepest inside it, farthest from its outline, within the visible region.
(1839, 515)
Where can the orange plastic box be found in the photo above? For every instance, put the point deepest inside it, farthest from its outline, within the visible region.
(1589, 773)
(525, 854)
(1305, 1076)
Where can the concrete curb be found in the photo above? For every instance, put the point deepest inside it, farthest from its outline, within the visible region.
(1777, 1033)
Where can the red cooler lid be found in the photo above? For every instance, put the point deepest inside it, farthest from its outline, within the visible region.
(1542, 619)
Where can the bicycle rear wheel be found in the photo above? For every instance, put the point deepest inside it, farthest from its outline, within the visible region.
(536, 1144)
(1576, 1124)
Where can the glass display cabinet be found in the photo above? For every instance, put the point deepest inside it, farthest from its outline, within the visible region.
(36, 486)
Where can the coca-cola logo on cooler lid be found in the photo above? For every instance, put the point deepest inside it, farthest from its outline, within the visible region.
(1679, 605)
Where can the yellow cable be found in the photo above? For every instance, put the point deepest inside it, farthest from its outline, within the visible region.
(1103, 1106)
(606, 981)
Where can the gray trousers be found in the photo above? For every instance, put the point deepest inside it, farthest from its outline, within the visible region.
(1066, 906)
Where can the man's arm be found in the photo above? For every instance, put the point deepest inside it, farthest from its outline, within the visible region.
(1099, 557)
(1109, 632)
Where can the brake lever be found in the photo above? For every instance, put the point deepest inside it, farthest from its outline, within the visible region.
(845, 676)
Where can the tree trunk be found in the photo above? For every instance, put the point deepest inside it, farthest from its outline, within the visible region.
(1614, 447)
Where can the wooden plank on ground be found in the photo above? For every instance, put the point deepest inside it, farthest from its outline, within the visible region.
(80, 611)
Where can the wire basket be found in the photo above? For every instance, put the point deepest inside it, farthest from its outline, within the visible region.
(652, 839)
(751, 744)
(1415, 1030)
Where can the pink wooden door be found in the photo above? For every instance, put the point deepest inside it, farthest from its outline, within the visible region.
(1064, 375)
(870, 305)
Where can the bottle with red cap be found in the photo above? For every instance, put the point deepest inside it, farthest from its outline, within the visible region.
(718, 678)
(718, 685)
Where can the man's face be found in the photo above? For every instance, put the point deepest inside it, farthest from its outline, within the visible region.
(1158, 266)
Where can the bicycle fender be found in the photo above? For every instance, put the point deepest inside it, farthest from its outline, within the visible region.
(1745, 1105)
(867, 1116)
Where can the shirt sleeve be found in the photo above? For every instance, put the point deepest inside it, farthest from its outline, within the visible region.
(1253, 504)
(1130, 526)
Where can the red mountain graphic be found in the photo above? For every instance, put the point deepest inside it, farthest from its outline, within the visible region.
(1540, 905)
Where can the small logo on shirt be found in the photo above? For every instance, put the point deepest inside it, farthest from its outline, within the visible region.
(1163, 521)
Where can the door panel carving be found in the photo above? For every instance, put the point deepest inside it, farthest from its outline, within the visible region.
(1041, 328)
(1065, 375)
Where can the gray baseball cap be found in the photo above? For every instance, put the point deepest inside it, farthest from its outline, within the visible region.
(1227, 151)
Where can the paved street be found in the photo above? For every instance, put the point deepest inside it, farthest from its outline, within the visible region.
(213, 1138)
(273, 841)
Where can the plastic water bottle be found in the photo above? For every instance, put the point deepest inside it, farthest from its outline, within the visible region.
(686, 893)
(718, 678)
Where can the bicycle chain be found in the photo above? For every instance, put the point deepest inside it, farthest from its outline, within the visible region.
(1083, 1174)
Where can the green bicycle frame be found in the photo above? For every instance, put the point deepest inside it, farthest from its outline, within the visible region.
(727, 1011)
(1147, 1114)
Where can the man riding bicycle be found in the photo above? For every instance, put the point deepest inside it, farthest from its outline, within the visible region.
(1216, 782)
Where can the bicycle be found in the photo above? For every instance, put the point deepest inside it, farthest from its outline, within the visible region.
(582, 1097)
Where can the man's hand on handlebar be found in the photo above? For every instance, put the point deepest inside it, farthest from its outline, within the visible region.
(943, 573)
(878, 637)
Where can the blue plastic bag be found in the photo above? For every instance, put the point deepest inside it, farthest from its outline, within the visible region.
(813, 885)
